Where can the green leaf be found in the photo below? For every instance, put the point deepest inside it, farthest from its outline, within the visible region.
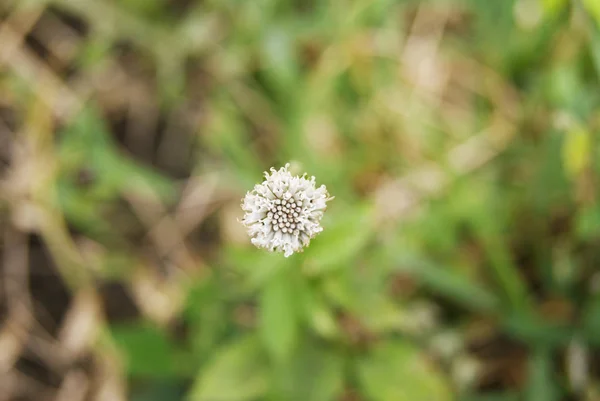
(319, 315)
(541, 384)
(147, 351)
(278, 58)
(588, 222)
(550, 186)
(593, 7)
(591, 321)
(278, 316)
(505, 272)
(256, 265)
(503, 396)
(398, 371)
(450, 283)
(314, 373)
(86, 146)
(340, 242)
(576, 151)
(530, 328)
(594, 45)
(159, 390)
(553, 7)
(87, 143)
(203, 313)
(238, 372)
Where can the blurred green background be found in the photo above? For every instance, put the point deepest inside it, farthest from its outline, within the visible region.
(459, 258)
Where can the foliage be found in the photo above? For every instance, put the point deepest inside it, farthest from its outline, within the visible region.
(459, 138)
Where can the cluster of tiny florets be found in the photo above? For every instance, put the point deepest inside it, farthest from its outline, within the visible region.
(283, 213)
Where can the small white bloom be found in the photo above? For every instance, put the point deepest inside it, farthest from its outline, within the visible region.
(284, 212)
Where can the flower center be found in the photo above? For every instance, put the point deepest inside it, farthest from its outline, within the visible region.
(284, 215)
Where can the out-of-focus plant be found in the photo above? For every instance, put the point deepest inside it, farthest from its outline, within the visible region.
(459, 259)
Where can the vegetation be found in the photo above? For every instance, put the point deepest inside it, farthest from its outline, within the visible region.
(459, 258)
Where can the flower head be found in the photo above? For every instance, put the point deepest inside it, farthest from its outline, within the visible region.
(284, 212)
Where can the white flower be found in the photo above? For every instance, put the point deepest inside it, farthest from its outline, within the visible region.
(283, 213)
